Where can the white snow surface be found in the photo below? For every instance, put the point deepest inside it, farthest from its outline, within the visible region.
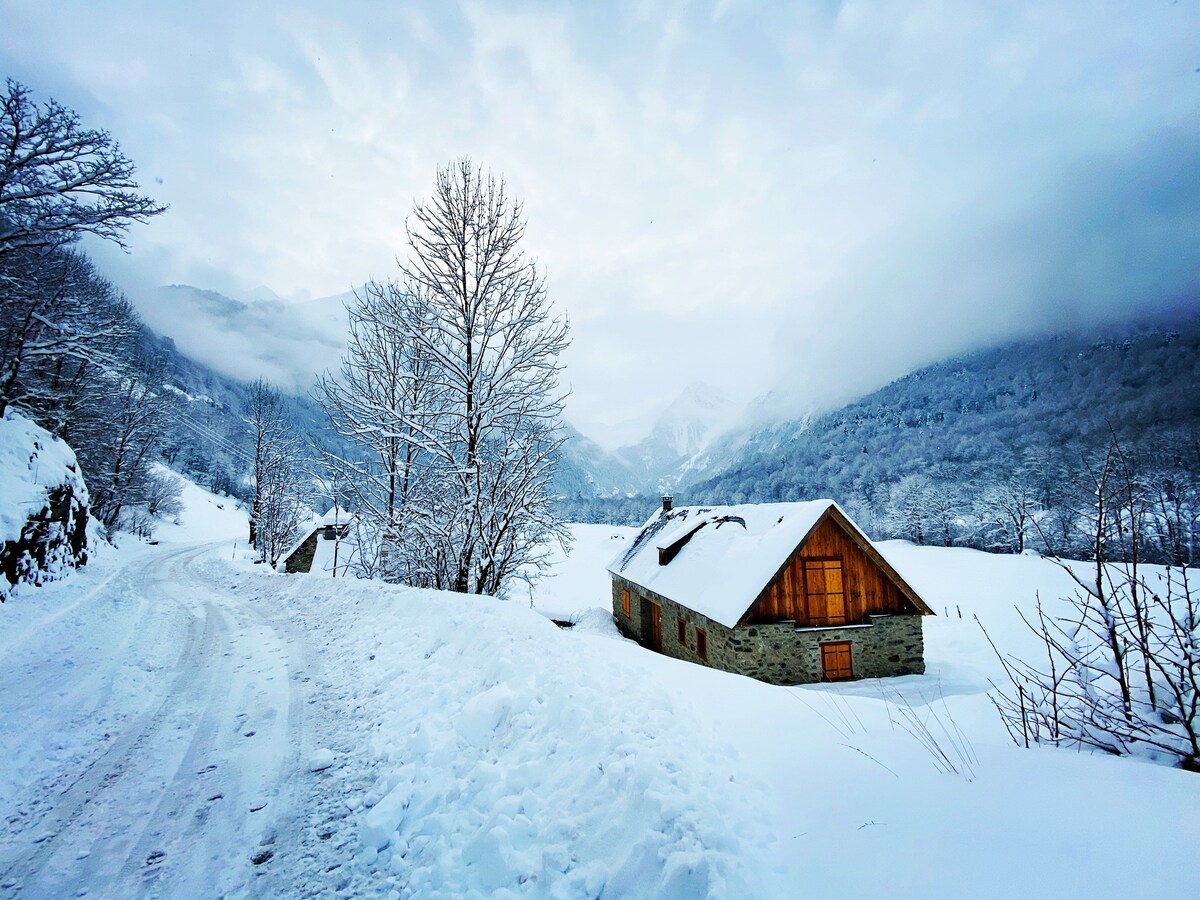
(733, 553)
(184, 724)
(32, 461)
(578, 579)
(205, 517)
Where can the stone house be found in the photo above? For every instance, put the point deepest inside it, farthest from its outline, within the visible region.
(317, 550)
(787, 593)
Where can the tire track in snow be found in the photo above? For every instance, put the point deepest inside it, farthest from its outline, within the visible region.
(173, 777)
(103, 773)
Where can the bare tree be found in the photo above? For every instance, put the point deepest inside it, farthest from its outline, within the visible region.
(451, 384)
(57, 314)
(164, 494)
(908, 508)
(59, 180)
(494, 347)
(1007, 513)
(118, 434)
(279, 474)
(381, 393)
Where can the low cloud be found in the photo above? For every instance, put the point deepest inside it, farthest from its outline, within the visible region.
(821, 197)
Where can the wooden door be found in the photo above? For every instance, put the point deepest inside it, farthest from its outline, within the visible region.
(656, 627)
(836, 662)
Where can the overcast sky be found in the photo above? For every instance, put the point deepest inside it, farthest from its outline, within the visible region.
(819, 196)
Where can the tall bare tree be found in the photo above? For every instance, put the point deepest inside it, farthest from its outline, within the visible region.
(279, 474)
(458, 364)
(495, 347)
(382, 388)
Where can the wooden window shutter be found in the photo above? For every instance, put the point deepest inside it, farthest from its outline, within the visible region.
(824, 592)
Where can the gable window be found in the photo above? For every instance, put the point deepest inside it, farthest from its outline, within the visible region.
(625, 602)
(824, 592)
(681, 625)
(702, 644)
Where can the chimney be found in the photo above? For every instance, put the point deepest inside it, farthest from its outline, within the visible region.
(666, 503)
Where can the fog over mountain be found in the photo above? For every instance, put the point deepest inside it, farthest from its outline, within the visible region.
(261, 335)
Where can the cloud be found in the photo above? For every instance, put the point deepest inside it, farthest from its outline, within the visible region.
(823, 195)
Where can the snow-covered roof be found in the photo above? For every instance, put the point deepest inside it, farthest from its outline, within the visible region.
(733, 552)
(335, 516)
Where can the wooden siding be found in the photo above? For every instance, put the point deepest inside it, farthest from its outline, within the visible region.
(867, 588)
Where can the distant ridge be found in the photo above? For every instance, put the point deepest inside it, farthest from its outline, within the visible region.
(976, 416)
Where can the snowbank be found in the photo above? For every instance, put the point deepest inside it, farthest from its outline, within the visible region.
(460, 746)
(511, 755)
(578, 580)
(43, 506)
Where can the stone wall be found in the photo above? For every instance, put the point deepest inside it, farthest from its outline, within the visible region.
(778, 652)
(301, 559)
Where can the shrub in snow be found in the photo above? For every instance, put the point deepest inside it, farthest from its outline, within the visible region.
(1120, 671)
(43, 506)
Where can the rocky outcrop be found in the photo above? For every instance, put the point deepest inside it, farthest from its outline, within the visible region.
(43, 506)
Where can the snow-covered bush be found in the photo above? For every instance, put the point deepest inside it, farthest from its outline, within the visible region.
(43, 506)
(1121, 666)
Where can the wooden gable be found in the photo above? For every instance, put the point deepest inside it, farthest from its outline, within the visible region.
(834, 577)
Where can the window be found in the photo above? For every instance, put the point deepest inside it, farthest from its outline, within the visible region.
(824, 592)
(702, 644)
(836, 662)
(681, 625)
(625, 602)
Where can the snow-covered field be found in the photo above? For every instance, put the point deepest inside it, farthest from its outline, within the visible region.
(422, 744)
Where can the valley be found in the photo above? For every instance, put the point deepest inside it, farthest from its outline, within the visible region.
(305, 739)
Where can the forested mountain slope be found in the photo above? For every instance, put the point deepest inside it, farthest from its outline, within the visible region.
(1033, 409)
(210, 437)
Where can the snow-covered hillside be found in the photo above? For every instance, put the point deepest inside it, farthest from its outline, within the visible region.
(253, 733)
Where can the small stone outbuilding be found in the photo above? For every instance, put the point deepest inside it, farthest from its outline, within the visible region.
(787, 593)
(316, 552)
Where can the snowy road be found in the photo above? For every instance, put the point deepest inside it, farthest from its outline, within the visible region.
(154, 741)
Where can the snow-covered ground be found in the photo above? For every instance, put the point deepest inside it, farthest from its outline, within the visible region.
(423, 744)
(578, 580)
